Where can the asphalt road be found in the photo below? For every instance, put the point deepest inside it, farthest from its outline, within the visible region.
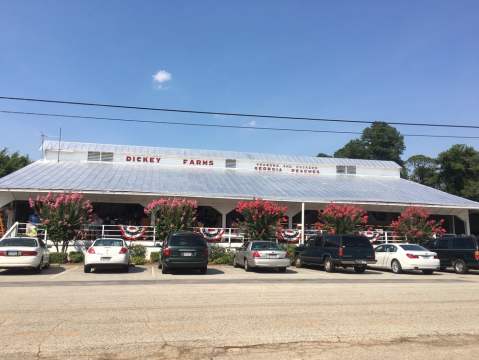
(229, 314)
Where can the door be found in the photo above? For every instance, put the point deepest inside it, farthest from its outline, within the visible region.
(307, 253)
(380, 256)
(441, 247)
(390, 254)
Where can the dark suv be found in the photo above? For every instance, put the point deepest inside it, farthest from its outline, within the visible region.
(332, 251)
(460, 252)
(184, 250)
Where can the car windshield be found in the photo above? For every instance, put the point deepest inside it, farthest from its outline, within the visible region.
(186, 240)
(108, 242)
(356, 241)
(266, 245)
(413, 247)
(18, 242)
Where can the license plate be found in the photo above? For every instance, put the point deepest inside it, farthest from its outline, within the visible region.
(12, 253)
(187, 254)
(426, 257)
(105, 259)
(362, 262)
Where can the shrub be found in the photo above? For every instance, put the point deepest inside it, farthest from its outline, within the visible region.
(138, 251)
(220, 256)
(342, 219)
(154, 257)
(62, 216)
(76, 256)
(415, 224)
(138, 260)
(172, 215)
(58, 258)
(262, 219)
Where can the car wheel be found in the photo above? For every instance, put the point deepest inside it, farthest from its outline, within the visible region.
(39, 268)
(329, 265)
(360, 269)
(160, 265)
(396, 267)
(428, 272)
(282, 269)
(246, 266)
(460, 267)
(164, 270)
(203, 270)
(126, 268)
(235, 264)
(47, 265)
(298, 262)
(87, 269)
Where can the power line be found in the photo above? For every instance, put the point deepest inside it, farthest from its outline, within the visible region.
(157, 122)
(263, 116)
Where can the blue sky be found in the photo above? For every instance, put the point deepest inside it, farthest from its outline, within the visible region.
(411, 61)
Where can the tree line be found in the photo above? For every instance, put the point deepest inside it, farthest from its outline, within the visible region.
(455, 170)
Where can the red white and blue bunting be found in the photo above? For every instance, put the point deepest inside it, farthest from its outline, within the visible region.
(212, 234)
(373, 236)
(132, 232)
(289, 235)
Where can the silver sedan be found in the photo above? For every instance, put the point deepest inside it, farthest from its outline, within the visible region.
(261, 254)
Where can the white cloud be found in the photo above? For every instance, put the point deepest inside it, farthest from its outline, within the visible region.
(252, 123)
(161, 78)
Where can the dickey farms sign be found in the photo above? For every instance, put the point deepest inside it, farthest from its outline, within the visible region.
(142, 159)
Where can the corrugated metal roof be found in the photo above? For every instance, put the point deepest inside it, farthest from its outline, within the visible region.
(177, 152)
(224, 183)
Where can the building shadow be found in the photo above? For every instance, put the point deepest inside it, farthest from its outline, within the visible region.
(52, 270)
(209, 272)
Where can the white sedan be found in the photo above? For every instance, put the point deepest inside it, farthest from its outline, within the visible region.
(24, 252)
(399, 257)
(107, 253)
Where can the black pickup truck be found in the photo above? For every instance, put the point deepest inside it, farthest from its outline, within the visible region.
(460, 252)
(332, 251)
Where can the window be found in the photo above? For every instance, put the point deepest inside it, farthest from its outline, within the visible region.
(108, 242)
(331, 241)
(230, 163)
(464, 243)
(351, 170)
(413, 247)
(343, 169)
(27, 242)
(265, 245)
(391, 248)
(356, 241)
(442, 244)
(187, 240)
(100, 156)
(380, 248)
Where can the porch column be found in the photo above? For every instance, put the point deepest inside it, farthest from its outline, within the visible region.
(223, 219)
(464, 216)
(302, 223)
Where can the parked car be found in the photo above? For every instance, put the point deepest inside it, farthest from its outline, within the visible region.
(107, 254)
(24, 252)
(404, 256)
(184, 250)
(261, 254)
(460, 252)
(332, 251)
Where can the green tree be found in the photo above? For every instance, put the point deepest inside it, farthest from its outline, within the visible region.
(11, 162)
(323, 155)
(423, 169)
(459, 171)
(379, 141)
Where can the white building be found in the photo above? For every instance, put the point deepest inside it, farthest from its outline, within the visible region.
(120, 180)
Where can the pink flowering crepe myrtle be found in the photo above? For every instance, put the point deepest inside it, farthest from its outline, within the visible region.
(416, 225)
(342, 219)
(262, 218)
(63, 216)
(172, 214)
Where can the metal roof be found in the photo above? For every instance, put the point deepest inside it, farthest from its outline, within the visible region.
(177, 152)
(224, 183)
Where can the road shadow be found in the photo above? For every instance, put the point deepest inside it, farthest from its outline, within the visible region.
(273, 271)
(132, 270)
(451, 271)
(210, 271)
(52, 270)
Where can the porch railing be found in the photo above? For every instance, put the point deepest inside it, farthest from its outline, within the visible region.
(146, 235)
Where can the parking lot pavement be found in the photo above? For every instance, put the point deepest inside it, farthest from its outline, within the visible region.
(72, 273)
(307, 314)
